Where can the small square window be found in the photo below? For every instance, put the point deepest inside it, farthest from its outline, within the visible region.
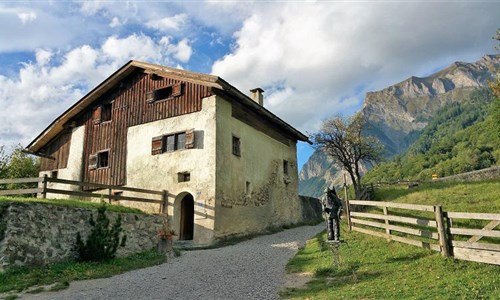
(103, 159)
(184, 176)
(53, 174)
(236, 146)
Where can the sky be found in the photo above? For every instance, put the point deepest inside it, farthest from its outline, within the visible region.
(314, 59)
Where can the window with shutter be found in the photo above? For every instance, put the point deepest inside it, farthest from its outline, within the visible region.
(177, 90)
(96, 115)
(190, 139)
(150, 96)
(170, 143)
(180, 141)
(157, 145)
(92, 162)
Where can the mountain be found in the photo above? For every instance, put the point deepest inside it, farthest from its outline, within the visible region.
(398, 114)
(462, 137)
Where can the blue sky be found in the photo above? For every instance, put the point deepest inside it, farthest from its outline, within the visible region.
(314, 59)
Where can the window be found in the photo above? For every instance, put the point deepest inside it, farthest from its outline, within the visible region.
(173, 142)
(103, 159)
(164, 93)
(183, 177)
(236, 146)
(285, 167)
(99, 160)
(102, 113)
(106, 112)
(53, 174)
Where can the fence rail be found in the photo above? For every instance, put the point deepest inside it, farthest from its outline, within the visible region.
(428, 226)
(44, 188)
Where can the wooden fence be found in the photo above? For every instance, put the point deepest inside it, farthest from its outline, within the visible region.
(428, 226)
(113, 192)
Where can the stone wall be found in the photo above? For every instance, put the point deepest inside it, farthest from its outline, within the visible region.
(38, 234)
(484, 174)
(311, 209)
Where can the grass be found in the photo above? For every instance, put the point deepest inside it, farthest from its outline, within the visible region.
(72, 203)
(483, 196)
(19, 279)
(373, 268)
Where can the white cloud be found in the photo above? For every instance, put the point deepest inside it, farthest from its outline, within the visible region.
(116, 22)
(26, 17)
(168, 23)
(182, 51)
(318, 59)
(45, 88)
(43, 56)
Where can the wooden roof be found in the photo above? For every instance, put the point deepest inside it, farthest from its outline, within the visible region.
(57, 126)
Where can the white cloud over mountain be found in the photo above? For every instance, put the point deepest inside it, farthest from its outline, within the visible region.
(319, 59)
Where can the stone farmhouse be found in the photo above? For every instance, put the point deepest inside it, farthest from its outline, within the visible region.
(229, 164)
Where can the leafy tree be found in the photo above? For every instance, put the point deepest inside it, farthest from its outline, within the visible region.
(103, 242)
(343, 139)
(21, 164)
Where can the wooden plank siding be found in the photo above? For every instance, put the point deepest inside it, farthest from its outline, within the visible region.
(58, 149)
(129, 108)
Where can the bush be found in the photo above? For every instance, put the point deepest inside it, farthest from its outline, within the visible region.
(103, 242)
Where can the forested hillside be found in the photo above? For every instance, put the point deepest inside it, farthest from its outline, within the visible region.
(463, 136)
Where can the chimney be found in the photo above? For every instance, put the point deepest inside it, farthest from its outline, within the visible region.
(256, 95)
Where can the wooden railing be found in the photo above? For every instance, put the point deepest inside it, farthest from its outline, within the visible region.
(473, 249)
(43, 188)
(428, 226)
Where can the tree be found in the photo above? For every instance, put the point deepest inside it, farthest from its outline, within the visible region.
(495, 88)
(22, 165)
(343, 139)
(103, 241)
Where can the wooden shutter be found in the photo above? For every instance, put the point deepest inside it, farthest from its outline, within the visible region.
(157, 145)
(177, 90)
(151, 96)
(97, 115)
(190, 139)
(92, 161)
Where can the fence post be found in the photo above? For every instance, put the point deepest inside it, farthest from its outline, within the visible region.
(387, 230)
(110, 192)
(164, 203)
(347, 205)
(443, 239)
(44, 186)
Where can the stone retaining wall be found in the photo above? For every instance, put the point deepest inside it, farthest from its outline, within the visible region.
(311, 209)
(484, 174)
(38, 234)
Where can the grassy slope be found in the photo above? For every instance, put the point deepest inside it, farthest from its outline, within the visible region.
(72, 203)
(391, 270)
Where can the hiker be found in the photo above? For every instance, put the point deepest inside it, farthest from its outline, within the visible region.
(332, 206)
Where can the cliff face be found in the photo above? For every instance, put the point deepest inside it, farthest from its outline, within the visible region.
(397, 114)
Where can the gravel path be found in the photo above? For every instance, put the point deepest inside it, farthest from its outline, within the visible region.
(253, 269)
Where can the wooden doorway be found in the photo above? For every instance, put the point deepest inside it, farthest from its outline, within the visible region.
(187, 218)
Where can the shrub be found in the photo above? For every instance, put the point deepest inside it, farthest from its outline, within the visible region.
(103, 241)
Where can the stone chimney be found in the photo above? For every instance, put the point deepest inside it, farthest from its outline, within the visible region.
(256, 95)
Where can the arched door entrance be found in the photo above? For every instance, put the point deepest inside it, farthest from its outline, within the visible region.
(187, 218)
